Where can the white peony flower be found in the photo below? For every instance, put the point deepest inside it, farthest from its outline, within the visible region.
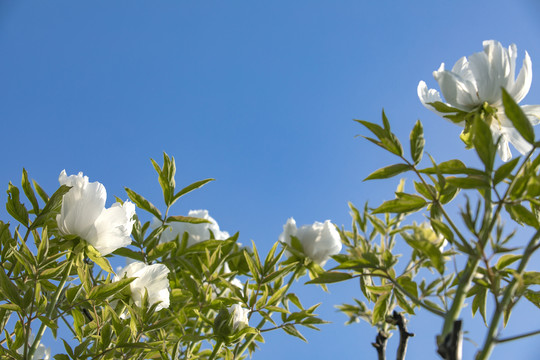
(319, 240)
(477, 80)
(197, 232)
(83, 213)
(42, 352)
(239, 317)
(152, 278)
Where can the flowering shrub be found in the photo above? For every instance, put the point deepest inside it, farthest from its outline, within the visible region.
(191, 291)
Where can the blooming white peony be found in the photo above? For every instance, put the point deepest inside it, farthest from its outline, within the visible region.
(477, 80)
(153, 278)
(197, 232)
(319, 240)
(239, 317)
(83, 213)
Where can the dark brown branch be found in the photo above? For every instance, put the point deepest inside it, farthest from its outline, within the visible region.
(451, 347)
(398, 320)
(380, 345)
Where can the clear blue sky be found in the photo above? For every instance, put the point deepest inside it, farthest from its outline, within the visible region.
(257, 94)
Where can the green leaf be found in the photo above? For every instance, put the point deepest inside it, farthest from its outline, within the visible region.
(479, 302)
(444, 108)
(142, 203)
(29, 192)
(522, 215)
(96, 257)
(388, 171)
(125, 252)
(506, 260)
(417, 142)
(14, 206)
(483, 142)
(52, 207)
(442, 229)
(329, 277)
(531, 278)
(452, 167)
(102, 292)
(408, 285)
(504, 170)
(404, 203)
(380, 309)
(161, 249)
(374, 128)
(190, 188)
(187, 219)
(518, 118)
(427, 249)
(291, 330)
(469, 182)
(533, 296)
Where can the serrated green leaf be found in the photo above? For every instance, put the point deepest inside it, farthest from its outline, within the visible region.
(518, 118)
(388, 171)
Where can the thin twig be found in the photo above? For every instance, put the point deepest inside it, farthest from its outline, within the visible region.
(511, 338)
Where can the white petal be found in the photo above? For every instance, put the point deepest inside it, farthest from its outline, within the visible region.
(517, 140)
(523, 81)
(81, 206)
(113, 228)
(458, 92)
(532, 112)
(427, 96)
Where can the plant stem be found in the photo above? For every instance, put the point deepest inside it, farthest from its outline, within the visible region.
(380, 345)
(51, 309)
(404, 335)
(251, 337)
(509, 293)
(517, 337)
(217, 347)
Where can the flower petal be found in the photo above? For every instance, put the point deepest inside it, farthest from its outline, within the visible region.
(112, 229)
(523, 81)
(81, 206)
(532, 112)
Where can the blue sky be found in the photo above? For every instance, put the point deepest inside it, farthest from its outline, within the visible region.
(259, 95)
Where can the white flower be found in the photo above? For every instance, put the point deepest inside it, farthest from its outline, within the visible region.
(239, 317)
(478, 80)
(319, 240)
(42, 352)
(197, 232)
(152, 278)
(83, 213)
